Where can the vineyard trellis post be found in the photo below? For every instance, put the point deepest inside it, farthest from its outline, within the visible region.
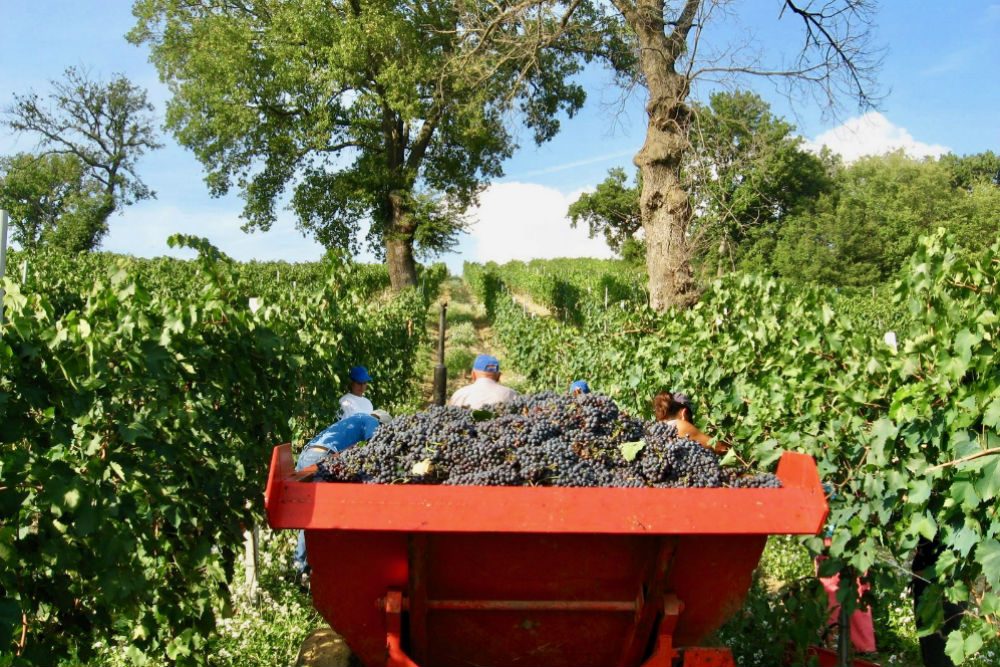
(441, 370)
(3, 259)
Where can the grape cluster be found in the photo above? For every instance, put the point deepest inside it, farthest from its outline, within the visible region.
(542, 439)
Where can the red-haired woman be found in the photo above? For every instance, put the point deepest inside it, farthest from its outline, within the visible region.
(675, 408)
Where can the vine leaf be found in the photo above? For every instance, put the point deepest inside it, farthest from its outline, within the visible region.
(991, 416)
(988, 555)
(630, 450)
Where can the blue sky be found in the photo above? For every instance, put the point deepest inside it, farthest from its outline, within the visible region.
(939, 78)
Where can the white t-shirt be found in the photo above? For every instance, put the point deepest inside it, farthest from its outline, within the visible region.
(483, 391)
(351, 404)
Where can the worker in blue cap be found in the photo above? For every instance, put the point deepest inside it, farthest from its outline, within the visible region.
(485, 388)
(579, 388)
(354, 401)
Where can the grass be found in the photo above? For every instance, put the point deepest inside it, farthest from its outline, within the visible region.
(463, 335)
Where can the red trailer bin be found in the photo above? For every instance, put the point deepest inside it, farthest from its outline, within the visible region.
(463, 576)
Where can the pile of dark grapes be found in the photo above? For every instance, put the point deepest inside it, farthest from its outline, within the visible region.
(540, 440)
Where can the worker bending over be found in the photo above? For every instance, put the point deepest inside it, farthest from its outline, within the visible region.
(336, 437)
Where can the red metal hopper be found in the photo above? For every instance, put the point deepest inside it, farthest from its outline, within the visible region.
(463, 576)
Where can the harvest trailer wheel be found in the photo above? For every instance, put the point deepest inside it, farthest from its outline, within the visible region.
(325, 648)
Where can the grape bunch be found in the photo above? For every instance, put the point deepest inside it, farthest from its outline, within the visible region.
(542, 439)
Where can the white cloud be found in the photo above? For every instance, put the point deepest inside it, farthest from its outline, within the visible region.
(527, 221)
(873, 134)
(143, 231)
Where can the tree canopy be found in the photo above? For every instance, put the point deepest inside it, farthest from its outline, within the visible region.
(611, 210)
(365, 114)
(745, 171)
(52, 201)
(867, 226)
(91, 135)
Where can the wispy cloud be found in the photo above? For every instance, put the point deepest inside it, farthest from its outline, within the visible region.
(950, 62)
(571, 165)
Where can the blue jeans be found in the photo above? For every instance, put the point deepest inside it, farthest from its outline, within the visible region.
(309, 456)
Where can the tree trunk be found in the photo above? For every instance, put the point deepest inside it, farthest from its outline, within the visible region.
(399, 245)
(664, 204)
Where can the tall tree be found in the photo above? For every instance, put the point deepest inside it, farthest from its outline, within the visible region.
(52, 201)
(745, 171)
(385, 113)
(106, 128)
(834, 57)
(969, 170)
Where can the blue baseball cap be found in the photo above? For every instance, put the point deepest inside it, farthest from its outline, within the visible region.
(359, 374)
(487, 363)
(581, 385)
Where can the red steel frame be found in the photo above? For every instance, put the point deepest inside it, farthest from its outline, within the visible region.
(448, 576)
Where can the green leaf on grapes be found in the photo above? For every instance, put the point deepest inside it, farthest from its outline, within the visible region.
(630, 450)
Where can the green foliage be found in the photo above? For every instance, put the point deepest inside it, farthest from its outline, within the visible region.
(92, 135)
(66, 279)
(261, 632)
(776, 624)
(52, 202)
(907, 436)
(746, 171)
(381, 113)
(569, 287)
(968, 171)
(458, 361)
(462, 335)
(863, 231)
(612, 210)
(138, 422)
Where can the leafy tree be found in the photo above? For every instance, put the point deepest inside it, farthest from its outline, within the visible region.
(52, 201)
(864, 231)
(978, 219)
(969, 170)
(834, 58)
(746, 171)
(377, 113)
(612, 210)
(96, 133)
